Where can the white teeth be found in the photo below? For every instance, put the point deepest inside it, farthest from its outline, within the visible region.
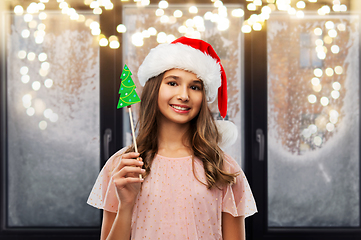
(179, 108)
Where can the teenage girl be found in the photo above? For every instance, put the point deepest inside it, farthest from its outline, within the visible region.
(190, 188)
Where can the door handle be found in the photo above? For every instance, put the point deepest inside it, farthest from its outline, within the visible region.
(107, 139)
(260, 140)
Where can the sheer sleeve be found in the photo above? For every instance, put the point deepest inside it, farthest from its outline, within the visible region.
(103, 194)
(237, 198)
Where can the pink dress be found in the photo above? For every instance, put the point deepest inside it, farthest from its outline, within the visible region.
(173, 204)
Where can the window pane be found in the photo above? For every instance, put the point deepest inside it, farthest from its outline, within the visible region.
(313, 122)
(52, 121)
(146, 29)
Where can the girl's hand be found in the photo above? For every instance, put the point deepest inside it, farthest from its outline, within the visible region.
(126, 178)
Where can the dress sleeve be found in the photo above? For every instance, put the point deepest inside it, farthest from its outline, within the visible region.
(103, 194)
(237, 198)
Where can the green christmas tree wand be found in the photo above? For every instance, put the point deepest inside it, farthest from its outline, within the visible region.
(128, 96)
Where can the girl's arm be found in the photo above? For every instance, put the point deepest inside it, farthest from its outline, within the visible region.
(108, 220)
(233, 227)
(127, 182)
(116, 225)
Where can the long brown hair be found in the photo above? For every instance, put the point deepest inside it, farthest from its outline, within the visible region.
(202, 135)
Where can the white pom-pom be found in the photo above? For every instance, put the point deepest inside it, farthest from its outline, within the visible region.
(228, 132)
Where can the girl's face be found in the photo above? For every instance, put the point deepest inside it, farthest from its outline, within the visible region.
(180, 96)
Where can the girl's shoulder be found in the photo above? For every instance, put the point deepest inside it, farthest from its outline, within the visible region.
(237, 197)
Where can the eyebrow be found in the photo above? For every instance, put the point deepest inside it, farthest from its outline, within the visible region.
(198, 81)
(172, 76)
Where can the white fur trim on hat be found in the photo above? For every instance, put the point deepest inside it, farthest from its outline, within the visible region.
(169, 56)
(228, 132)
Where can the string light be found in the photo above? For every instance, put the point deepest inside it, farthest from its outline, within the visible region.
(48, 83)
(24, 70)
(251, 7)
(257, 27)
(103, 42)
(327, 39)
(18, 10)
(317, 88)
(329, 72)
(145, 34)
(300, 14)
(238, 12)
(257, 2)
(338, 70)
(324, 101)
(336, 86)
(208, 16)
(30, 111)
(318, 72)
(163, 4)
(330, 127)
(312, 98)
(218, 3)
(42, 16)
(36, 85)
(266, 9)
(177, 13)
(43, 125)
(335, 94)
(315, 81)
(159, 12)
(301, 4)
(27, 99)
(332, 33)
(164, 19)
(114, 42)
(223, 24)
(25, 33)
(152, 31)
(246, 29)
(335, 49)
(31, 56)
(22, 54)
(193, 9)
(182, 29)
(161, 37)
(25, 78)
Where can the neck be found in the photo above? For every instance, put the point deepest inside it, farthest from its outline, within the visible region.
(172, 141)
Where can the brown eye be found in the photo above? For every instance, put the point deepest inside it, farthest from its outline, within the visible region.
(172, 84)
(195, 88)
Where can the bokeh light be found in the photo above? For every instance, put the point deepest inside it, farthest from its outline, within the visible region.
(324, 101)
(336, 86)
(312, 98)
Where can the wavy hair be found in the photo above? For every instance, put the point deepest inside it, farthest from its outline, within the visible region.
(202, 135)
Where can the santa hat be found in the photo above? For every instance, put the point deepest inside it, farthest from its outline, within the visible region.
(198, 57)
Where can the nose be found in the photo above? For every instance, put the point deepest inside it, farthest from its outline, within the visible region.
(183, 94)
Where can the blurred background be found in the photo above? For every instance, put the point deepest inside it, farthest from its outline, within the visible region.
(293, 83)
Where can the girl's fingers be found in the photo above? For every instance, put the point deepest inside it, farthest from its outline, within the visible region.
(130, 155)
(125, 160)
(130, 162)
(121, 182)
(128, 171)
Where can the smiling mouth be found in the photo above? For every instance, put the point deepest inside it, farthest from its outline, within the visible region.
(180, 108)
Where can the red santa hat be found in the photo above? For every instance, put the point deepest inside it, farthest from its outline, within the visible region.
(198, 57)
